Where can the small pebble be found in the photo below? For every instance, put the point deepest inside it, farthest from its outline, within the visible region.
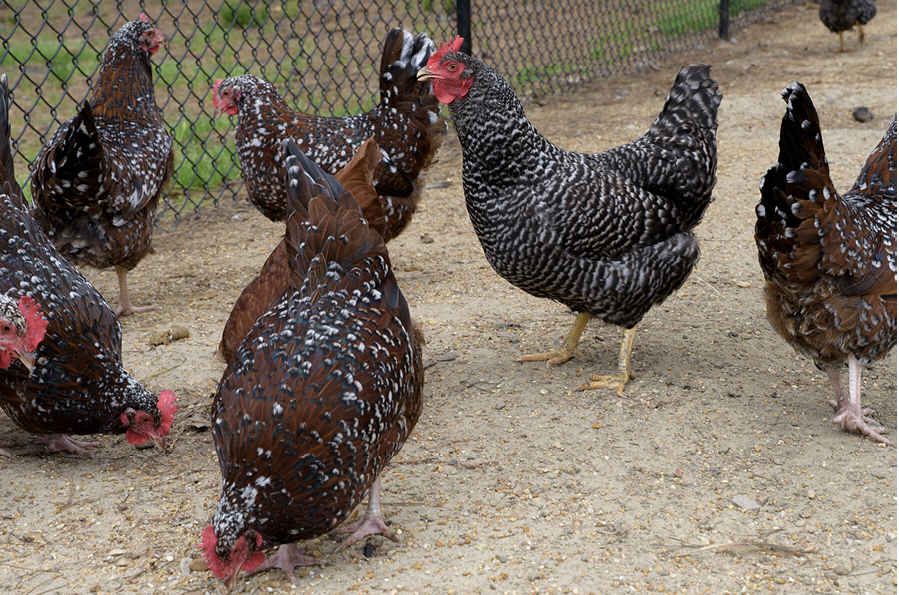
(185, 566)
(745, 502)
(841, 569)
(862, 114)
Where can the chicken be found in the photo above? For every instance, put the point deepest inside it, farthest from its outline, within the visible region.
(274, 278)
(607, 234)
(843, 15)
(406, 125)
(62, 374)
(829, 260)
(97, 182)
(320, 395)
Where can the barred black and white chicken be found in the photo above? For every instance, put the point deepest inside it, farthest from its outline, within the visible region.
(608, 235)
(830, 260)
(843, 15)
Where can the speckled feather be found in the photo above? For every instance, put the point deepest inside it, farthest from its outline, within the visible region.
(607, 233)
(261, 294)
(842, 15)
(325, 388)
(97, 183)
(78, 385)
(406, 125)
(829, 260)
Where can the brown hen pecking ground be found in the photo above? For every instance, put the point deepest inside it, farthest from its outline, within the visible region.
(512, 482)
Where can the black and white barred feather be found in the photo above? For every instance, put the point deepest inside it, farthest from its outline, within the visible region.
(607, 233)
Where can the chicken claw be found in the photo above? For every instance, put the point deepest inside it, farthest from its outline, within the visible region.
(62, 443)
(568, 350)
(370, 524)
(290, 556)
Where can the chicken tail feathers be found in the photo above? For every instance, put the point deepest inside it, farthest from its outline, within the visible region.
(408, 126)
(8, 184)
(690, 115)
(403, 56)
(327, 235)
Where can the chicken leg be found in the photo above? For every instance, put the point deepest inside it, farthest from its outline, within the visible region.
(4, 445)
(620, 380)
(842, 45)
(289, 556)
(569, 349)
(370, 524)
(62, 443)
(850, 415)
(125, 308)
(861, 34)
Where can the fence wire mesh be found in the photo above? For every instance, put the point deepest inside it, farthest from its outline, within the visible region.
(322, 57)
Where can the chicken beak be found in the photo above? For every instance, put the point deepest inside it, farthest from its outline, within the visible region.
(425, 75)
(232, 580)
(159, 441)
(27, 358)
(216, 113)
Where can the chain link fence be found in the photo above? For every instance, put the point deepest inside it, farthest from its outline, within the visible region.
(322, 57)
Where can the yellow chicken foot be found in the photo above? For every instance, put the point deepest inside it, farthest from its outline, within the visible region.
(861, 34)
(842, 46)
(569, 349)
(620, 380)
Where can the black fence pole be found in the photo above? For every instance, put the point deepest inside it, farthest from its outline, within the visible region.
(724, 13)
(463, 21)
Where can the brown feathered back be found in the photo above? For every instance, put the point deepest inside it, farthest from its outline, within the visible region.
(273, 279)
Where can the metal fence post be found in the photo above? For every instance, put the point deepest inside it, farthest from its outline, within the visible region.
(463, 22)
(724, 13)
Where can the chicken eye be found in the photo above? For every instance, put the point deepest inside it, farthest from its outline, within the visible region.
(452, 66)
(6, 328)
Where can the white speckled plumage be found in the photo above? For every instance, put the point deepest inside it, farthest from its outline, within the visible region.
(829, 260)
(406, 125)
(78, 384)
(325, 388)
(97, 182)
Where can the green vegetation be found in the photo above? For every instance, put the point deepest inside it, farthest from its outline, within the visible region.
(696, 15)
(614, 44)
(241, 14)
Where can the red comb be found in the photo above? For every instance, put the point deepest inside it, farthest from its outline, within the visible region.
(446, 48)
(37, 324)
(167, 407)
(215, 93)
(144, 17)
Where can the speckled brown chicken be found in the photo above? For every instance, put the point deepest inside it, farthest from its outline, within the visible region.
(97, 183)
(274, 278)
(69, 379)
(320, 395)
(406, 124)
(830, 260)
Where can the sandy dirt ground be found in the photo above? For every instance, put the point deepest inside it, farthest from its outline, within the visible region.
(513, 482)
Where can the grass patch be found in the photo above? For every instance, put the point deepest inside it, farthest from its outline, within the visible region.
(241, 14)
(680, 17)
